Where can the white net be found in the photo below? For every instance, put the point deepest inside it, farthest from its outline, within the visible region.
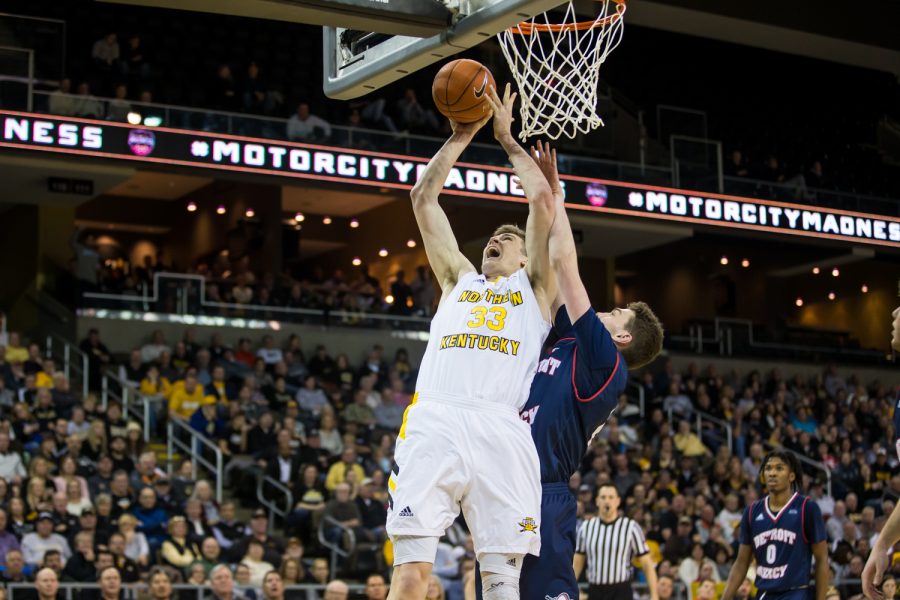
(556, 65)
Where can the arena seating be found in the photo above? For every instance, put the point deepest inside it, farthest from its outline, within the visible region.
(333, 418)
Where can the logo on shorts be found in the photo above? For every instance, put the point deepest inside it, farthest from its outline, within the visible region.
(511, 562)
(528, 524)
(407, 512)
(563, 596)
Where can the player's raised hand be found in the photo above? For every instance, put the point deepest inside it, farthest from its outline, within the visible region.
(545, 158)
(873, 574)
(502, 109)
(469, 129)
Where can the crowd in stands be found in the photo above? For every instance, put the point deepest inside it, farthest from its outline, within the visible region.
(234, 282)
(80, 491)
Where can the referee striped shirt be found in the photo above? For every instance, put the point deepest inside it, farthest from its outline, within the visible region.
(609, 549)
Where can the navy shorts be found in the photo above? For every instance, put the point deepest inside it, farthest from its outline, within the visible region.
(804, 593)
(550, 576)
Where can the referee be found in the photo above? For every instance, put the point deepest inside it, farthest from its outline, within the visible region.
(607, 543)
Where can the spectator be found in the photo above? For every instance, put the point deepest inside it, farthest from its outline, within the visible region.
(46, 584)
(310, 495)
(146, 473)
(61, 100)
(254, 561)
(80, 567)
(254, 92)
(242, 583)
(211, 555)
(118, 108)
(186, 399)
(86, 105)
(151, 351)
(414, 117)
(359, 412)
(224, 90)
(110, 584)
(423, 291)
(11, 467)
(8, 540)
(160, 584)
(221, 585)
(319, 571)
(177, 550)
(106, 51)
(376, 589)
(34, 545)
(137, 547)
(128, 568)
(336, 590)
(306, 127)
(338, 471)
(736, 166)
(273, 546)
(346, 513)
(269, 352)
(135, 61)
(15, 568)
(197, 575)
(372, 512)
(228, 530)
(273, 586)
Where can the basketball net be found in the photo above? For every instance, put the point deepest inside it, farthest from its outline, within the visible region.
(556, 66)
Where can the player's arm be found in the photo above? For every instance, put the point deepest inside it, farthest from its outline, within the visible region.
(540, 199)
(578, 560)
(739, 572)
(823, 570)
(649, 569)
(563, 254)
(447, 262)
(879, 558)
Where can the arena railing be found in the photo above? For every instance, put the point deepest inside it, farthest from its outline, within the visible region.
(187, 591)
(262, 482)
(180, 435)
(185, 296)
(74, 362)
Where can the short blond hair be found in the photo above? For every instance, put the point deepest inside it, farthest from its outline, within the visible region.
(516, 231)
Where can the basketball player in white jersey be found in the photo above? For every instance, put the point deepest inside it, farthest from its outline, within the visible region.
(462, 444)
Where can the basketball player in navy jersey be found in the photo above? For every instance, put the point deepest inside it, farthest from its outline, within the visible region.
(574, 392)
(879, 557)
(783, 531)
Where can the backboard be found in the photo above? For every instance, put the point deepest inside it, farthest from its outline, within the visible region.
(357, 62)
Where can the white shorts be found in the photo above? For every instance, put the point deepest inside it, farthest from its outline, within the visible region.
(454, 454)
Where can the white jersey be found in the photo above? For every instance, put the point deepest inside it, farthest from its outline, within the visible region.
(485, 342)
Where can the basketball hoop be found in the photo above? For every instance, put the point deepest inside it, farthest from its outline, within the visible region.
(556, 67)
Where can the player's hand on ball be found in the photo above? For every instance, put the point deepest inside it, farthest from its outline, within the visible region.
(469, 129)
(502, 109)
(545, 158)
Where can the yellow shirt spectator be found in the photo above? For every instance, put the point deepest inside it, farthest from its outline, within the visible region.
(160, 387)
(185, 400)
(338, 471)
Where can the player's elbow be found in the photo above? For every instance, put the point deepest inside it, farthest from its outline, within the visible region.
(562, 258)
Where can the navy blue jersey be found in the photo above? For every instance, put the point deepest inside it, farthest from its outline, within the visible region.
(574, 391)
(782, 542)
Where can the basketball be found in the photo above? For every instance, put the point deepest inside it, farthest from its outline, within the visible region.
(460, 90)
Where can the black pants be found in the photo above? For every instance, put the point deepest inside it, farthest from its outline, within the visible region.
(613, 591)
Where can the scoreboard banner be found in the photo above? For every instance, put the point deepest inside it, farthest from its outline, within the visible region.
(228, 153)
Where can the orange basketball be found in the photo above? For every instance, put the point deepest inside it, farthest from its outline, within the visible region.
(460, 90)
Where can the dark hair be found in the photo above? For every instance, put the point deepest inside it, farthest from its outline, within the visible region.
(792, 462)
(608, 485)
(646, 336)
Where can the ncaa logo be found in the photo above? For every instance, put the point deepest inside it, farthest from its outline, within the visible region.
(141, 141)
(563, 596)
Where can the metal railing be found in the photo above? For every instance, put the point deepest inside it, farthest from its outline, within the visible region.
(721, 429)
(71, 590)
(336, 550)
(74, 362)
(177, 430)
(190, 298)
(262, 481)
(641, 395)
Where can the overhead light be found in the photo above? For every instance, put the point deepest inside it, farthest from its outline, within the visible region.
(815, 270)
(831, 296)
(389, 299)
(354, 223)
(220, 209)
(865, 289)
(152, 121)
(249, 213)
(299, 217)
(192, 206)
(410, 243)
(383, 252)
(799, 302)
(356, 261)
(134, 118)
(745, 263)
(326, 220)
(835, 272)
(723, 260)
